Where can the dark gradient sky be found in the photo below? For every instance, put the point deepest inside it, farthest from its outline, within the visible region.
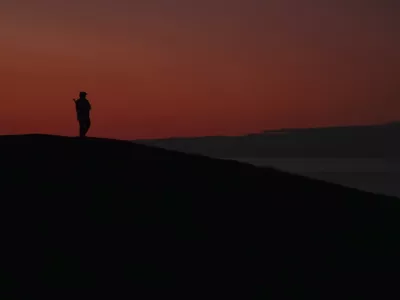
(156, 68)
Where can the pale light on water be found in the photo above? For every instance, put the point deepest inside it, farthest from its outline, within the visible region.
(308, 165)
(377, 175)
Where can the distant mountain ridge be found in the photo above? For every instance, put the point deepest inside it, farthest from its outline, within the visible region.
(346, 141)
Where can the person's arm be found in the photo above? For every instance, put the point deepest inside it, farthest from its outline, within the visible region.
(76, 104)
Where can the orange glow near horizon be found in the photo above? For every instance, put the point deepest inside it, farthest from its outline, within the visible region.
(193, 68)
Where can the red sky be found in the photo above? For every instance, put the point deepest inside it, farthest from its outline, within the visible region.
(204, 67)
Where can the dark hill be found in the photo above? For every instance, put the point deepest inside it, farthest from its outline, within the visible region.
(340, 142)
(101, 217)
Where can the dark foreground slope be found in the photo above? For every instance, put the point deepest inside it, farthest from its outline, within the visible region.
(100, 217)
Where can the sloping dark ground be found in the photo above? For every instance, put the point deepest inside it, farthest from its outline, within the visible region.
(97, 218)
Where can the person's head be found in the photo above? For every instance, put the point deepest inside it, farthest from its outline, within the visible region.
(82, 95)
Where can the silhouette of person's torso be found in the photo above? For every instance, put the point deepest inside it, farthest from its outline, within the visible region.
(83, 108)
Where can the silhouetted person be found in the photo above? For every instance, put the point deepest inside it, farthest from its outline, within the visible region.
(83, 108)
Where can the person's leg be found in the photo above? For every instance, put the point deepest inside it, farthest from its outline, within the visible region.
(88, 123)
(81, 128)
